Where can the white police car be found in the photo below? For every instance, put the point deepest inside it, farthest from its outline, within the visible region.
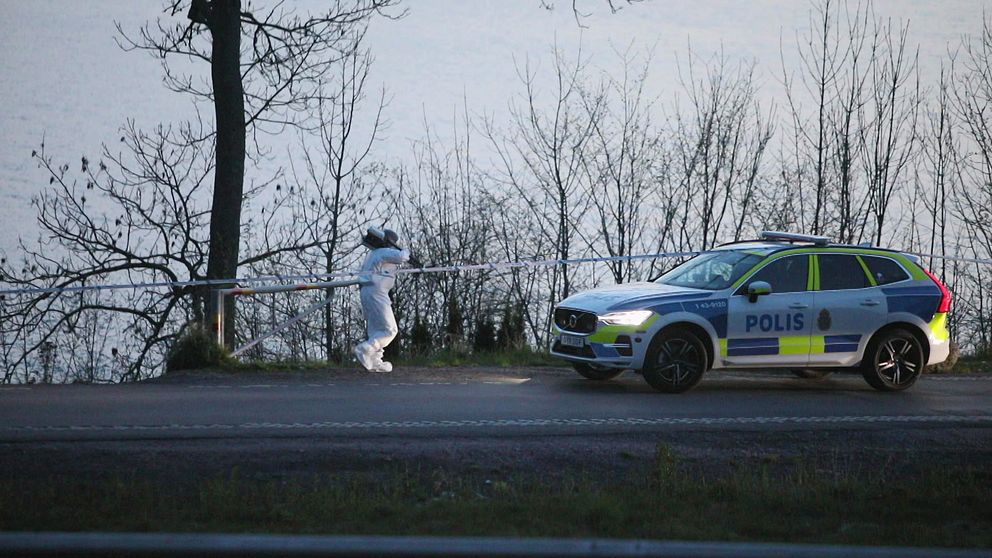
(785, 301)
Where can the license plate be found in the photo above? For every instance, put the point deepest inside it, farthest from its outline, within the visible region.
(573, 341)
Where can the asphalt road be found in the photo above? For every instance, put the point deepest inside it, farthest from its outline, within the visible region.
(476, 419)
(490, 422)
(479, 402)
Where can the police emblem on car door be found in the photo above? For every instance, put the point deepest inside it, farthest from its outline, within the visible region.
(852, 305)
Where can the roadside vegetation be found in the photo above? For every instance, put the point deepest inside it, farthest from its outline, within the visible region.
(197, 348)
(973, 363)
(810, 502)
(589, 159)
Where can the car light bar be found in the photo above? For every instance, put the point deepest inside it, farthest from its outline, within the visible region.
(795, 237)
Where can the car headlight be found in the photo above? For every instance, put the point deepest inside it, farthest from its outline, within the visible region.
(627, 317)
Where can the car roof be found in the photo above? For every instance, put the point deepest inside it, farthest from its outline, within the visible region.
(765, 247)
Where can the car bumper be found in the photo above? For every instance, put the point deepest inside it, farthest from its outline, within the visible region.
(612, 346)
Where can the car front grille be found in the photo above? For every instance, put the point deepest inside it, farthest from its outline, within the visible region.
(575, 320)
(585, 351)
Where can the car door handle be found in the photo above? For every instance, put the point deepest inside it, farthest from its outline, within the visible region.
(798, 306)
(869, 302)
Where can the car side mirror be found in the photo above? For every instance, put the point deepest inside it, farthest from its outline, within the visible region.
(758, 288)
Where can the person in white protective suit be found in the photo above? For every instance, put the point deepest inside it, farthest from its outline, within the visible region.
(384, 257)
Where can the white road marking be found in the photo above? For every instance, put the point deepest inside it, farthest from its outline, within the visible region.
(501, 423)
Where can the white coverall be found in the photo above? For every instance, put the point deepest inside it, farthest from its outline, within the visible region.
(379, 320)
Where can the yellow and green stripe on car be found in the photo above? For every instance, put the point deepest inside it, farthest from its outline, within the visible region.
(789, 345)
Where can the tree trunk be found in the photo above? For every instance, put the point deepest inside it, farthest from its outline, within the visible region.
(229, 173)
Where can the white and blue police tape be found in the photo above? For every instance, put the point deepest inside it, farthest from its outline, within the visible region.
(492, 266)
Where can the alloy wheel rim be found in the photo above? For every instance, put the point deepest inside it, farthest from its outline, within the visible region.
(898, 361)
(678, 360)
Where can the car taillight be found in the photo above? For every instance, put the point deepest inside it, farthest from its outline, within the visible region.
(945, 294)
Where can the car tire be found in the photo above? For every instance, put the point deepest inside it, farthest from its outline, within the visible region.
(595, 371)
(893, 361)
(675, 361)
(810, 373)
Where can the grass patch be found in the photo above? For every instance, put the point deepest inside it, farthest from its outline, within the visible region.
(969, 364)
(197, 348)
(804, 503)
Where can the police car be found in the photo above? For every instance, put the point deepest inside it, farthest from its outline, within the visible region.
(785, 301)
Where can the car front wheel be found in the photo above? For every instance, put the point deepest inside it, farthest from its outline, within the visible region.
(893, 361)
(675, 361)
(596, 371)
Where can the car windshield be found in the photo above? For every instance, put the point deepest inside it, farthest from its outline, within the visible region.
(712, 271)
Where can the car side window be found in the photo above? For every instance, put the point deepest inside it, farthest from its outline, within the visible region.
(785, 275)
(884, 270)
(841, 271)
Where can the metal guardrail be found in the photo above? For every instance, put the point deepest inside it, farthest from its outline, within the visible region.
(182, 545)
(220, 295)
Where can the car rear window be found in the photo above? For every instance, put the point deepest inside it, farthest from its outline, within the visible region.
(841, 271)
(884, 270)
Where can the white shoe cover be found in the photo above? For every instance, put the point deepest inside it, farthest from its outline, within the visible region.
(384, 367)
(363, 356)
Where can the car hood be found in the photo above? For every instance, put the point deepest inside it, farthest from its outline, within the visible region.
(630, 296)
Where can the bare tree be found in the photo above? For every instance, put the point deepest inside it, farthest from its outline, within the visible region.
(446, 213)
(821, 60)
(338, 202)
(854, 110)
(614, 6)
(889, 133)
(156, 190)
(153, 228)
(845, 120)
(973, 199)
(265, 86)
(940, 148)
(971, 99)
(622, 164)
(721, 134)
(540, 158)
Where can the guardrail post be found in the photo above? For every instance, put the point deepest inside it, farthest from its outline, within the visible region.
(219, 316)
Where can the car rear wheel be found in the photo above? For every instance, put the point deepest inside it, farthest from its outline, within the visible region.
(893, 361)
(596, 371)
(675, 361)
(810, 373)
